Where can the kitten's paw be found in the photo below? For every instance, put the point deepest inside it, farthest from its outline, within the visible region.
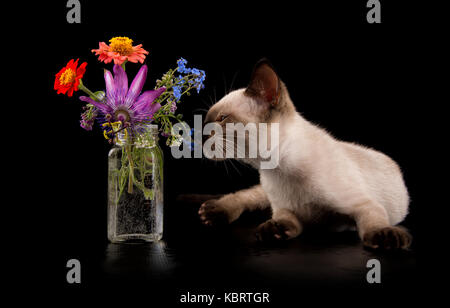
(212, 213)
(272, 230)
(388, 238)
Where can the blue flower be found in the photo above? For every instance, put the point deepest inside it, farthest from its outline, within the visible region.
(200, 78)
(177, 92)
(181, 81)
(197, 82)
(182, 66)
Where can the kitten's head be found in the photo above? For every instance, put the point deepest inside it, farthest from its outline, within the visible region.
(265, 100)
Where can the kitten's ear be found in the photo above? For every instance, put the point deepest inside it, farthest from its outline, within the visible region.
(264, 83)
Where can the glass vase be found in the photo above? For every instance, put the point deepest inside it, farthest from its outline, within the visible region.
(135, 187)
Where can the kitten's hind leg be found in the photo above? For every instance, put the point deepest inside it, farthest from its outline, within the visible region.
(229, 207)
(375, 230)
(283, 225)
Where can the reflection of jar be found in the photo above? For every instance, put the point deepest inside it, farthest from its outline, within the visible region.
(135, 187)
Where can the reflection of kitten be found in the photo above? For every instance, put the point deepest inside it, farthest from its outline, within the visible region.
(318, 180)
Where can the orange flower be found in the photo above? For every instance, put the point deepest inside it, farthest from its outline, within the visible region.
(68, 78)
(120, 50)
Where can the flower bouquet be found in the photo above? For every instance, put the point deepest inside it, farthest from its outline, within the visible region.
(132, 120)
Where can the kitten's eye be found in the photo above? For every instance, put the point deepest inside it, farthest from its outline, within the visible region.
(222, 117)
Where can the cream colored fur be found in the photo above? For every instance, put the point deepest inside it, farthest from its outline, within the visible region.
(317, 174)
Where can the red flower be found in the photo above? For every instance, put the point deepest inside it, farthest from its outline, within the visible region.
(68, 79)
(120, 50)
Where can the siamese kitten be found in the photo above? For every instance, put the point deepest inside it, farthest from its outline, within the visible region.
(319, 180)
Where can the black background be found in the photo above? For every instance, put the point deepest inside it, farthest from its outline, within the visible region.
(362, 82)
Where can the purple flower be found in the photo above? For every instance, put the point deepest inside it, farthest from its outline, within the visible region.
(88, 117)
(173, 107)
(127, 105)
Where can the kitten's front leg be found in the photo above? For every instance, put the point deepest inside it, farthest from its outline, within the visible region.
(229, 207)
(283, 225)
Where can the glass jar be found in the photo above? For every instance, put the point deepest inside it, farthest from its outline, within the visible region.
(135, 187)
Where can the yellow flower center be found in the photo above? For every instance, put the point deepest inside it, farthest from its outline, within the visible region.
(67, 77)
(122, 45)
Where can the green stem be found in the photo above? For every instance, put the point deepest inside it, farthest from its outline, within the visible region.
(130, 164)
(82, 87)
(172, 116)
(128, 149)
(123, 64)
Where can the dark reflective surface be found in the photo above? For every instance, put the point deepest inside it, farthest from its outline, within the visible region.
(191, 255)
